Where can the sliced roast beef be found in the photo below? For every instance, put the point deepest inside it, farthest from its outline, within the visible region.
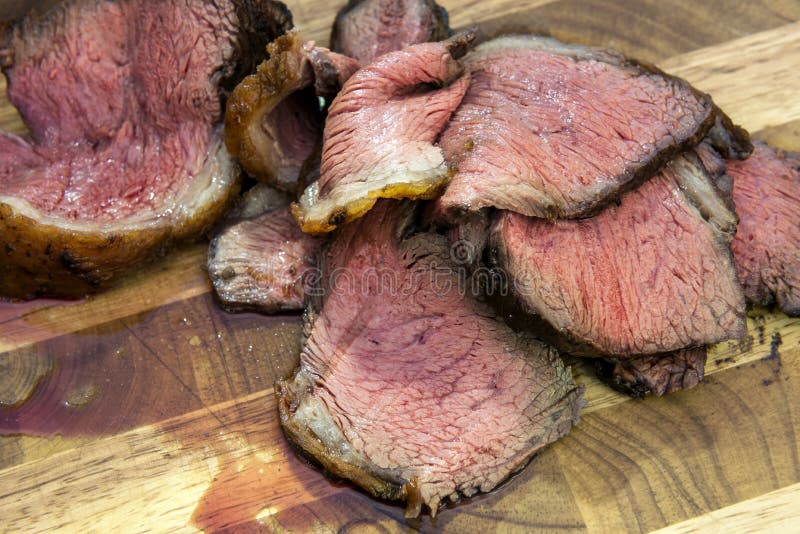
(261, 260)
(658, 374)
(367, 29)
(549, 129)
(652, 275)
(408, 388)
(274, 120)
(766, 191)
(124, 103)
(379, 134)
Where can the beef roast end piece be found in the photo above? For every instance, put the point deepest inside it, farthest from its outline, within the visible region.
(766, 191)
(406, 387)
(367, 29)
(657, 374)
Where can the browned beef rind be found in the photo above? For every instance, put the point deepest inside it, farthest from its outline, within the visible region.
(657, 374)
(766, 191)
(123, 100)
(260, 261)
(274, 120)
(380, 133)
(652, 275)
(367, 29)
(409, 388)
(556, 130)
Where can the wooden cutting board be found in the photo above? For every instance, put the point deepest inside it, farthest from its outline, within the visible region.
(148, 409)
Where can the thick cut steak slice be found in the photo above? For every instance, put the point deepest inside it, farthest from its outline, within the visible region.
(261, 260)
(408, 388)
(654, 274)
(766, 191)
(274, 119)
(658, 374)
(379, 134)
(368, 29)
(553, 130)
(124, 103)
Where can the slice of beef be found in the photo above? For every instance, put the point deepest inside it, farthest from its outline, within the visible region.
(657, 374)
(766, 191)
(124, 103)
(262, 261)
(368, 29)
(408, 388)
(379, 134)
(654, 274)
(274, 119)
(549, 129)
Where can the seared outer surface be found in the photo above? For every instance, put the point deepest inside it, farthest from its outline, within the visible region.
(548, 129)
(658, 374)
(411, 389)
(766, 191)
(645, 277)
(367, 29)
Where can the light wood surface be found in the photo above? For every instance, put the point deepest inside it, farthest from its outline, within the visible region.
(149, 409)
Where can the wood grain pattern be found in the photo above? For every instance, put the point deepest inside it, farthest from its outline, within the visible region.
(163, 410)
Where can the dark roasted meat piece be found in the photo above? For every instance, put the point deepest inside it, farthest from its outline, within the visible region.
(657, 374)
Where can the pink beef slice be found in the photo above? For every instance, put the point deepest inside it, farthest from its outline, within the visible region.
(124, 101)
(657, 374)
(766, 191)
(380, 133)
(549, 129)
(261, 261)
(408, 388)
(368, 29)
(654, 274)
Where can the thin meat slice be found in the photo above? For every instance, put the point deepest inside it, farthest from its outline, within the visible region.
(555, 130)
(379, 134)
(124, 103)
(368, 29)
(766, 191)
(409, 389)
(261, 261)
(657, 374)
(654, 274)
(274, 119)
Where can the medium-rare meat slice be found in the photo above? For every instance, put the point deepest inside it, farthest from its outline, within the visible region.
(261, 260)
(274, 119)
(379, 134)
(367, 29)
(124, 103)
(766, 191)
(408, 388)
(658, 374)
(654, 274)
(554, 130)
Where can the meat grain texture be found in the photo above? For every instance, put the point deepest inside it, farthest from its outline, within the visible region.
(124, 104)
(408, 388)
(555, 130)
(766, 191)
